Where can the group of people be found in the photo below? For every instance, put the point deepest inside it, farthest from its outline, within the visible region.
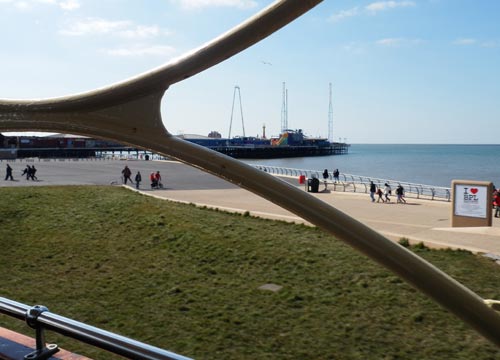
(384, 194)
(29, 171)
(155, 178)
(335, 173)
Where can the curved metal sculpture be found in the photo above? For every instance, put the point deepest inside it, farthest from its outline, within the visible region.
(129, 112)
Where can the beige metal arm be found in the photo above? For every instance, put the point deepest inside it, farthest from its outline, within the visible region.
(129, 112)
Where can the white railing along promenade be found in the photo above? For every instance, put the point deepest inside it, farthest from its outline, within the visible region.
(108, 157)
(359, 183)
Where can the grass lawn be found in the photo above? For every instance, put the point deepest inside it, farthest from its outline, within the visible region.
(186, 279)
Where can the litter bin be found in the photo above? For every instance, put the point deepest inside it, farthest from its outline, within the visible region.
(302, 179)
(313, 185)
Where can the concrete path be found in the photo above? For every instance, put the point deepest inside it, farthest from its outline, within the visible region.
(419, 220)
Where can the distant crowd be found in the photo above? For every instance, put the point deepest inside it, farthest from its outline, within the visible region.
(29, 172)
(154, 178)
(383, 194)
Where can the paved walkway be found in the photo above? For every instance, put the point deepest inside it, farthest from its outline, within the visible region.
(419, 220)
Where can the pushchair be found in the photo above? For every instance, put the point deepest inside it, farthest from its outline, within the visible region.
(156, 184)
(156, 181)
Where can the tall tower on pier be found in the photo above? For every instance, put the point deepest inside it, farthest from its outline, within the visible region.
(330, 117)
(284, 110)
(236, 89)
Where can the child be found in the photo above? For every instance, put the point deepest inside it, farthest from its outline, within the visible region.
(138, 179)
(380, 194)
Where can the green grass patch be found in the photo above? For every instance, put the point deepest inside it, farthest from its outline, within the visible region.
(186, 279)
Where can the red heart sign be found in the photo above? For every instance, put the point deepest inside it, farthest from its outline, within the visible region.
(473, 190)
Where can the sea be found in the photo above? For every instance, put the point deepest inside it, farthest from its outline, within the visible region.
(435, 165)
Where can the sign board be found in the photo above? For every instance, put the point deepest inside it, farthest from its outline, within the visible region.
(471, 200)
(472, 203)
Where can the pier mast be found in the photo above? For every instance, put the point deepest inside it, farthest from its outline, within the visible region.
(236, 89)
(330, 116)
(284, 110)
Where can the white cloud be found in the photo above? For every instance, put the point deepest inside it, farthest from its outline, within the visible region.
(481, 43)
(141, 31)
(465, 41)
(95, 26)
(490, 44)
(354, 48)
(389, 42)
(198, 4)
(127, 29)
(160, 50)
(384, 5)
(371, 9)
(342, 14)
(22, 5)
(69, 4)
(397, 42)
(29, 4)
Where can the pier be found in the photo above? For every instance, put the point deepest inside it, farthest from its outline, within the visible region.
(70, 146)
(275, 152)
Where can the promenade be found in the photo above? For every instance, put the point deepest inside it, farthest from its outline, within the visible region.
(424, 221)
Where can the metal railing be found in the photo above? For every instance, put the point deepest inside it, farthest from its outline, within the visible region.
(359, 183)
(106, 157)
(39, 318)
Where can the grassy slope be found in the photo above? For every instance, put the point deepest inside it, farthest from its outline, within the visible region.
(186, 279)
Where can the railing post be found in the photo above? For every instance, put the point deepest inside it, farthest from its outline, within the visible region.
(42, 352)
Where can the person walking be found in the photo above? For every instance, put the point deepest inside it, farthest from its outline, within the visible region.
(380, 195)
(138, 179)
(373, 189)
(403, 194)
(32, 173)
(336, 174)
(126, 175)
(325, 179)
(8, 173)
(152, 178)
(496, 203)
(27, 171)
(325, 175)
(387, 192)
(400, 193)
(158, 180)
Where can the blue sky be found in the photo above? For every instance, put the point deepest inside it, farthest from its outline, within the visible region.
(402, 71)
